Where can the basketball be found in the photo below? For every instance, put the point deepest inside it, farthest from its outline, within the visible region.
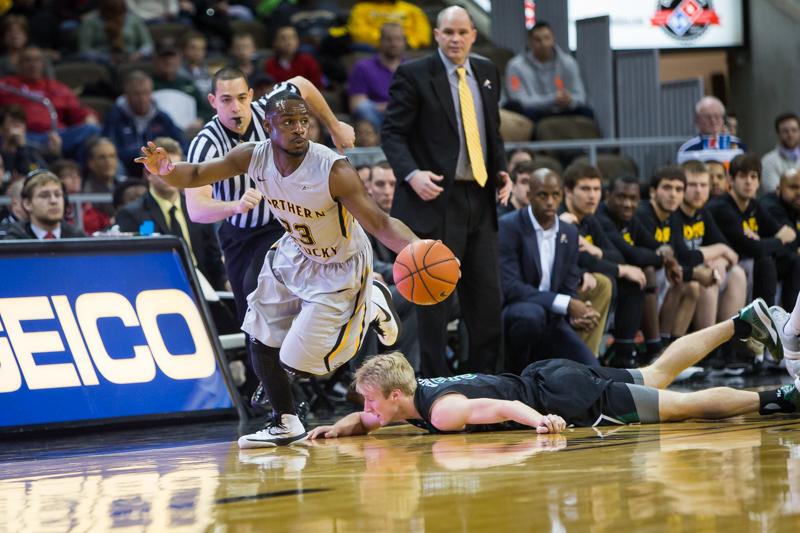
(426, 272)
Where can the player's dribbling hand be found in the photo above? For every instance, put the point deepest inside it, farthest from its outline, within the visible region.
(155, 159)
(424, 184)
(323, 432)
(505, 186)
(248, 201)
(551, 424)
(343, 136)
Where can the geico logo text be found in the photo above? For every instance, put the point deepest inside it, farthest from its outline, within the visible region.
(86, 345)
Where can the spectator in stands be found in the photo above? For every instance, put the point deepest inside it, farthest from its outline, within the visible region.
(43, 201)
(288, 62)
(128, 192)
(366, 134)
(784, 205)
(261, 83)
(719, 178)
(243, 53)
(166, 67)
(154, 11)
(165, 206)
(102, 176)
(368, 86)
(754, 234)
(521, 177)
(194, 65)
(516, 156)
(76, 124)
(135, 119)
(700, 232)
(114, 34)
(598, 257)
(731, 124)
(212, 18)
(69, 172)
(712, 141)
(103, 166)
(15, 36)
(544, 81)
(786, 154)
(639, 248)
(677, 298)
(539, 276)
(44, 19)
(16, 213)
(367, 19)
(18, 156)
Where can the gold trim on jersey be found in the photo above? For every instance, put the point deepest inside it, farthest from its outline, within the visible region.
(344, 332)
(343, 221)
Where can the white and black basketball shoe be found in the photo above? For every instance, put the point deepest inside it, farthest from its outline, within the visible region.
(281, 431)
(386, 322)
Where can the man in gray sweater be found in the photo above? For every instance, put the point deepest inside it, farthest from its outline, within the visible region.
(544, 80)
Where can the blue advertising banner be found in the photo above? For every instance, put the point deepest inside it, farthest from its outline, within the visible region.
(104, 334)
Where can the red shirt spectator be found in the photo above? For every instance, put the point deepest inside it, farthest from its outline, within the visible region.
(288, 62)
(31, 78)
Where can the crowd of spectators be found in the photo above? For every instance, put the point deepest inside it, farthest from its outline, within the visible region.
(580, 254)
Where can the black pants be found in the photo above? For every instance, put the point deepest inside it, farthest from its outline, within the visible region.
(628, 310)
(244, 250)
(469, 231)
(788, 272)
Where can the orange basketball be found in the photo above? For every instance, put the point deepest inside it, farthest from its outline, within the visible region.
(426, 272)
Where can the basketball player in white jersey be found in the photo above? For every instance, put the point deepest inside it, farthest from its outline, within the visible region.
(314, 302)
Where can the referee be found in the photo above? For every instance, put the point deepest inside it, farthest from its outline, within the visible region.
(247, 230)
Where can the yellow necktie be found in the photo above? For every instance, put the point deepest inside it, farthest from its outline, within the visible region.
(471, 132)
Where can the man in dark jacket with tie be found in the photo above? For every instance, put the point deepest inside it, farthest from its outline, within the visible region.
(43, 200)
(441, 136)
(539, 276)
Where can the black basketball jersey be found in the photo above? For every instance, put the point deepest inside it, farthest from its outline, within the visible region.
(215, 140)
(500, 387)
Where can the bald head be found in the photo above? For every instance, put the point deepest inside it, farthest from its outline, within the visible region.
(789, 188)
(541, 175)
(453, 11)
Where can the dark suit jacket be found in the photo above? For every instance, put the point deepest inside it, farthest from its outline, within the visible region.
(202, 236)
(22, 230)
(420, 132)
(520, 265)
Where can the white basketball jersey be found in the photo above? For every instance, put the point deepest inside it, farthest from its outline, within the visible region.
(322, 228)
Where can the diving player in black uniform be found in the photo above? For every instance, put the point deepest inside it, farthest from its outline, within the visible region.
(551, 394)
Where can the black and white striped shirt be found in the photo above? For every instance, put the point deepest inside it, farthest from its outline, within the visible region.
(214, 140)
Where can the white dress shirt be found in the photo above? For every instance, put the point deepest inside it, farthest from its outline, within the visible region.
(546, 241)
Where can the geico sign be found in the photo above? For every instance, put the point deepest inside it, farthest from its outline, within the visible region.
(81, 326)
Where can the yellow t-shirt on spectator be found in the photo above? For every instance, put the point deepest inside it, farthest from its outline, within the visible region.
(367, 18)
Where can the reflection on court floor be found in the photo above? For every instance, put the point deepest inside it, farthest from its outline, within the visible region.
(742, 474)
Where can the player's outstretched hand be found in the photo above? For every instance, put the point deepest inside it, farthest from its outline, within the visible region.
(248, 201)
(155, 159)
(323, 432)
(551, 424)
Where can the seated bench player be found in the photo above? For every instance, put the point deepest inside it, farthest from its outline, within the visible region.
(551, 394)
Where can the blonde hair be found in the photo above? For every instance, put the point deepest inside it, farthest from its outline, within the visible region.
(387, 372)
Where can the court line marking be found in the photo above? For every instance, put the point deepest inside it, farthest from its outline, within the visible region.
(265, 495)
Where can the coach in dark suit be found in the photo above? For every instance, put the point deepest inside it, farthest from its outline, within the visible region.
(540, 277)
(165, 207)
(447, 154)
